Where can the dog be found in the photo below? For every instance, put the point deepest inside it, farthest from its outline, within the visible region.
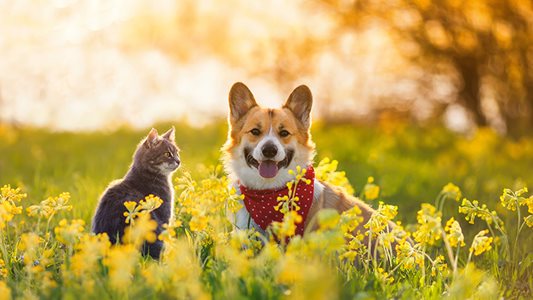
(262, 145)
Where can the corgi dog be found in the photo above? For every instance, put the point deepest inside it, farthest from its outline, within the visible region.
(263, 145)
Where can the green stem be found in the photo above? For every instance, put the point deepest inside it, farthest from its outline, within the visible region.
(369, 244)
(515, 245)
(449, 251)
(491, 230)
(424, 268)
(442, 201)
(469, 258)
(39, 223)
(456, 259)
(395, 268)
(48, 222)
(4, 251)
(497, 222)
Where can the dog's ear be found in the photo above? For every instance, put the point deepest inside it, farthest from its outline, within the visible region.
(241, 101)
(170, 134)
(300, 102)
(151, 139)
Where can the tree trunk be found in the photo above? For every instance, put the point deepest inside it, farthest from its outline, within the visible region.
(529, 103)
(470, 91)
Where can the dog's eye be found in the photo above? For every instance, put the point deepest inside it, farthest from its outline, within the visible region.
(168, 154)
(284, 133)
(255, 131)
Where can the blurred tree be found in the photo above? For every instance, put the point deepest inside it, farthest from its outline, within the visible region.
(243, 36)
(487, 45)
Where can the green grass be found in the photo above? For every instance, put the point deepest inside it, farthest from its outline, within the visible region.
(410, 164)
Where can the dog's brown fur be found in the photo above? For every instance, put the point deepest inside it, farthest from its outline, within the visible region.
(294, 116)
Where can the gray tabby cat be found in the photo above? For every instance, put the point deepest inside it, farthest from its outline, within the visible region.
(154, 161)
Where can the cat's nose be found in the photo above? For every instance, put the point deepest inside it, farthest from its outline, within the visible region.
(178, 161)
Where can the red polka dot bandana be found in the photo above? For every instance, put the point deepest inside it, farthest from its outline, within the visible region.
(260, 203)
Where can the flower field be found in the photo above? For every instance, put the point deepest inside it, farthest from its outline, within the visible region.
(464, 215)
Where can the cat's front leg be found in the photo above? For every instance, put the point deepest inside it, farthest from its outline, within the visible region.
(153, 249)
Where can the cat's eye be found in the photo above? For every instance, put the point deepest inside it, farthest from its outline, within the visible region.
(168, 154)
(284, 133)
(255, 131)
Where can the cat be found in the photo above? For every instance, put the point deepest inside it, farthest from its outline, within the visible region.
(154, 161)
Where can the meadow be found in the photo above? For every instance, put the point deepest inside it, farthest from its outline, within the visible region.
(461, 199)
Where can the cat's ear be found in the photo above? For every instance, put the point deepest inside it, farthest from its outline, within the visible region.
(241, 101)
(151, 139)
(170, 134)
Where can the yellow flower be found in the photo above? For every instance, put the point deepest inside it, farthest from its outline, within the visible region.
(69, 234)
(290, 201)
(371, 190)
(287, 228)
(8, 208)
(91, 249)
(429, 225)
(326, 171)
(350, 219)
(198, 223)
(355, 247)
(49, 207)
(3, 270)
(29, 245)
(132, 211)
(511, 200)
(5, 214)
(383, 276)
(59, 203)
(169, 231)
(386, 239)
(150, 203)
(438, 265)
(180, 273)
(206, 201)
(143, 230)
(452, 191)
(121, 261)
(47, 283)
(454, 233)
(39, 210)
(289, 270)
(5, 292)
(529, 203)
(529, 220)
(408, 256)
(481, 243)
(328, 219)
(472, 210)
(11, 195)
(145, 206)
(379, 220)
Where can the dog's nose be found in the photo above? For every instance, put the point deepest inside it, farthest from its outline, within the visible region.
(269, 150)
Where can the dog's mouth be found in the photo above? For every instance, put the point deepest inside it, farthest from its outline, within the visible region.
(267, 168)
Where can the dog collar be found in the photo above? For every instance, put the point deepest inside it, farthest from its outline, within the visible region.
(261, 204)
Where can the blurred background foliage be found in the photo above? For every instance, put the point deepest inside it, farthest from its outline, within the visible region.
(484, 47)
(79, 65)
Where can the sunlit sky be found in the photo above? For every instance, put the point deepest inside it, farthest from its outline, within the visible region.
(84, 65)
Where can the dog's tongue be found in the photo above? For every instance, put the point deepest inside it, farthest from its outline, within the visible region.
(268, 169)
